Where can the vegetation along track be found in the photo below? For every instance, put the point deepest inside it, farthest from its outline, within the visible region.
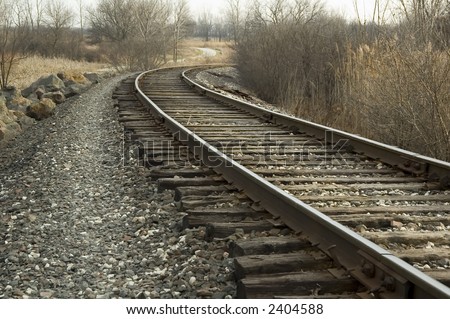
(359, 211)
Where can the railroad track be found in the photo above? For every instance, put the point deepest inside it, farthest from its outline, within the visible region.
(307, 211)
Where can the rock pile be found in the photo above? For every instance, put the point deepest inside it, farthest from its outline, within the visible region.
(20, 109)
(9, 126)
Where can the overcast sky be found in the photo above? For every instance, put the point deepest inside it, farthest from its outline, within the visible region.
(344, 7)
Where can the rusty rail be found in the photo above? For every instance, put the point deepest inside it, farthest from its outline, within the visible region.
(380, 271)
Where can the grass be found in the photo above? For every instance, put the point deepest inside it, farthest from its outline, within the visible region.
(190, 55)
(31, 68)
(401, 95)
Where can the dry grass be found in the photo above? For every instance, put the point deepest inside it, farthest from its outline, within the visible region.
(190, 55)
(388, 91)
(31, 68)
(399, 95)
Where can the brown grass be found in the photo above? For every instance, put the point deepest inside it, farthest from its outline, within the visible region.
(387, 91)
(31, 68)
(399, 95)
(190, 55)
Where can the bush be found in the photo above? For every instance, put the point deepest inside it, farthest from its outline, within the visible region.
(403, 95)
(386, 82)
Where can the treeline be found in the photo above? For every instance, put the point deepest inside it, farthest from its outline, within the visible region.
(38, 27)
(137, 34)
(383, 78)
(41, 27)
(133, 34)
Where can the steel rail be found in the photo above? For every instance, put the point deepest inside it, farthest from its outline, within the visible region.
(405, 160)
(381, 272)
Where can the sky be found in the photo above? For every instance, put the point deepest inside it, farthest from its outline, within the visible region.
(344, 7)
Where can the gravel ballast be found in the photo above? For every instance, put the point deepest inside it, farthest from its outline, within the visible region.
(77, 223)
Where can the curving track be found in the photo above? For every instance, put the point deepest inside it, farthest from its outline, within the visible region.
(358, 202)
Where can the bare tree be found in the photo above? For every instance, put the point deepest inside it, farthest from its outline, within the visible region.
(234, 16)
(205, 25)
(34, 11)
(14, 33)
(113, 19)
(134, 31)
(304, 11)
(423, 16)
(220, 30)
(181, 17)
(58, 18)
(278, 11)
(151, 23)
(81, 9)
(390, 82)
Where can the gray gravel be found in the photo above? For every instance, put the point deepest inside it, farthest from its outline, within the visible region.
(76, 223)
(227, 81)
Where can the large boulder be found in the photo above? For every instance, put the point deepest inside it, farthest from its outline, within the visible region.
(9, 131)
(23, 120)
(70, 78)
(75, 83)
(19, 103)
(42, 109)
(50, 83)
(57, 97)
(74, 89)
(14, 99)
(9, 128)
(9, 93)
(93, 77)
(6, 116)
